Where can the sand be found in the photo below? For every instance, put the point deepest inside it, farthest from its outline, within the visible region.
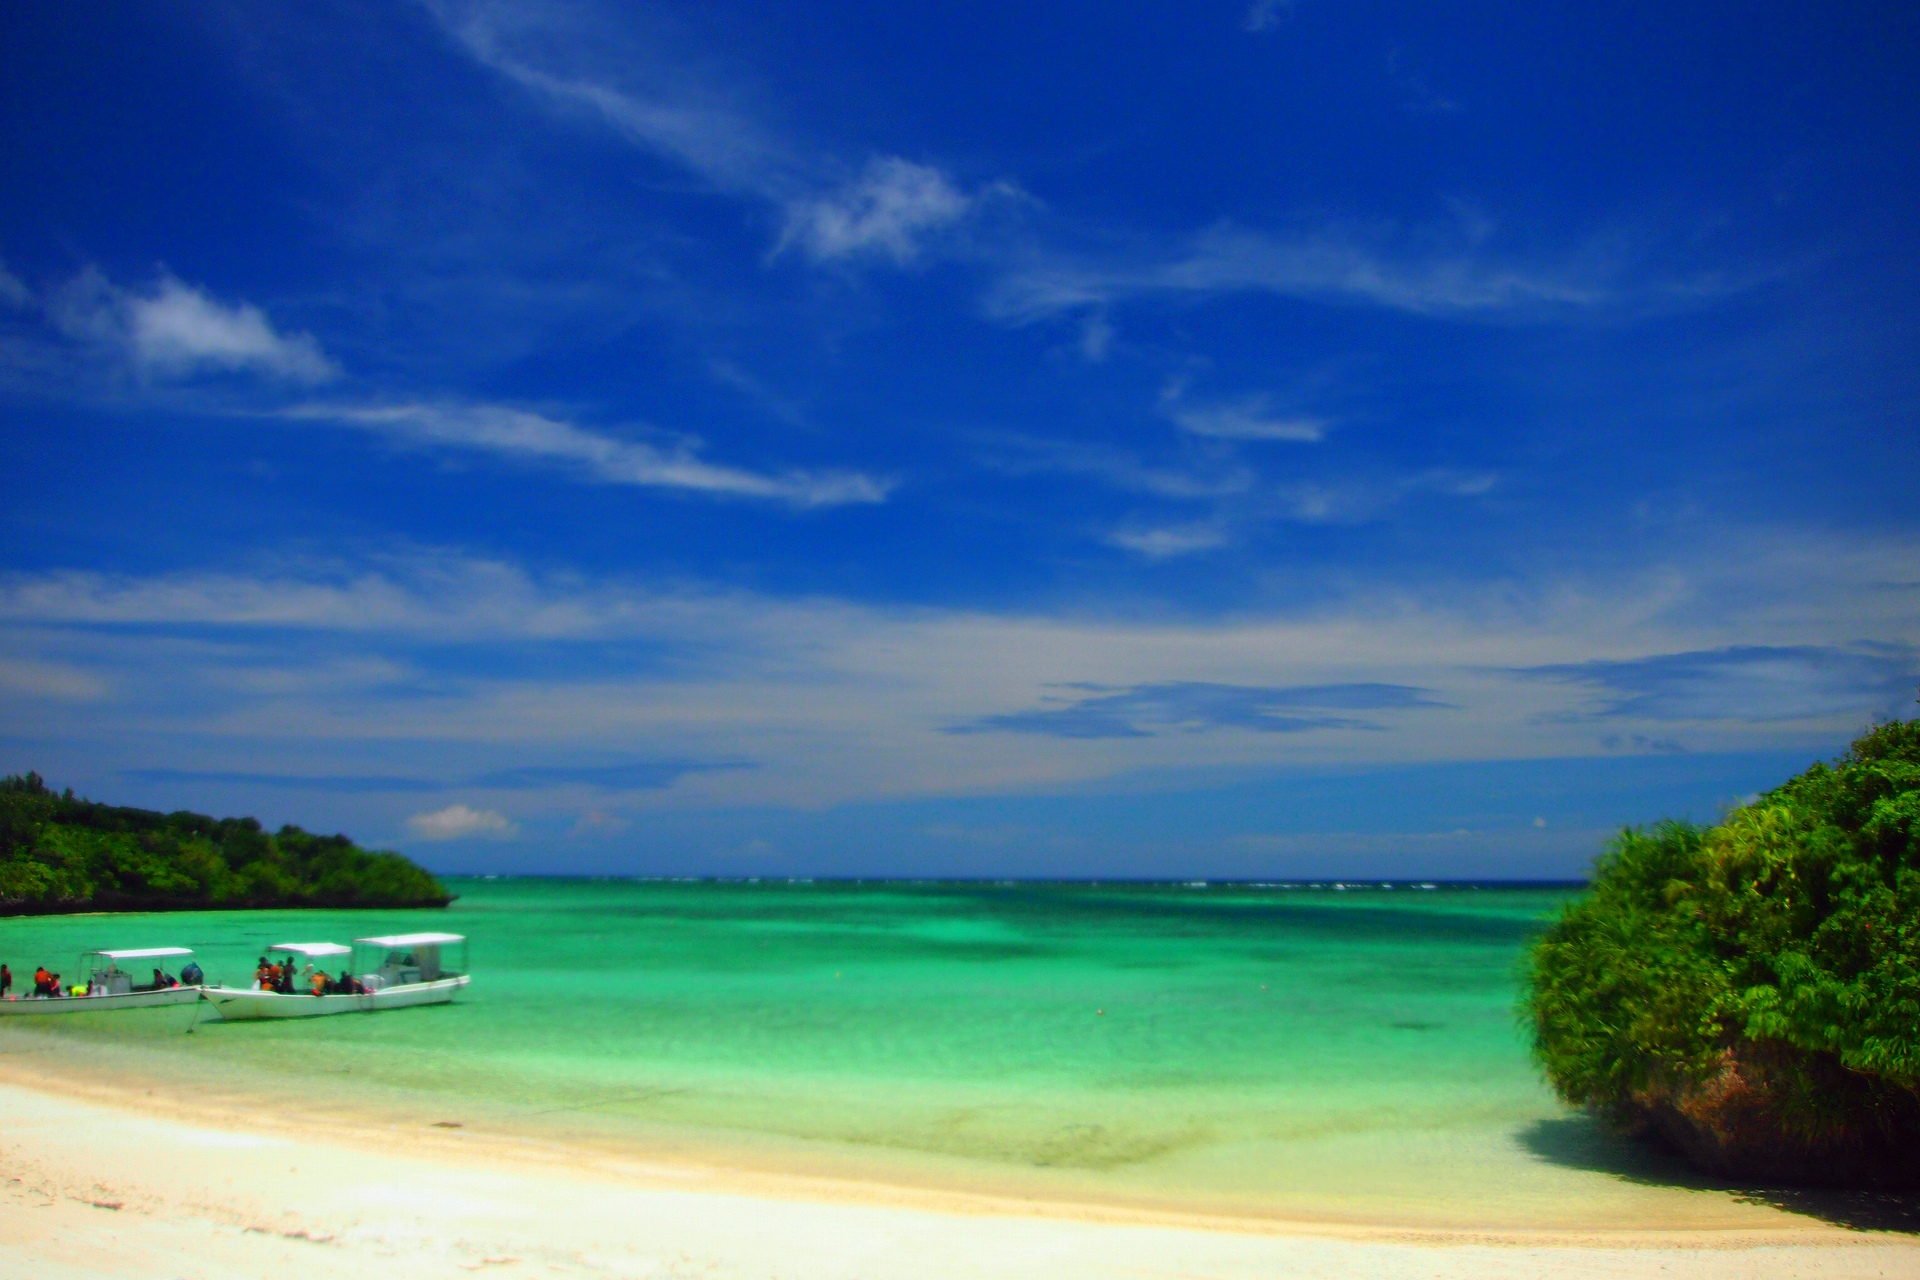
(96, 1185)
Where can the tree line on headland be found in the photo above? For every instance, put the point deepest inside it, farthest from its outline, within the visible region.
(1750, 992)
(63, 854)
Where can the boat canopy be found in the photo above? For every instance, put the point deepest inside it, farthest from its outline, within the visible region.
(413, 940)
(144, 953)
(312, 950)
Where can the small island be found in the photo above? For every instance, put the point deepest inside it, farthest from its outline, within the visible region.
(1750, 992)
(61, 854)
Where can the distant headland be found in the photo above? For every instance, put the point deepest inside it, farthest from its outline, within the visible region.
(62, 854)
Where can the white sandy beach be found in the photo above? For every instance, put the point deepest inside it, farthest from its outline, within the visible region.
(113, 1186)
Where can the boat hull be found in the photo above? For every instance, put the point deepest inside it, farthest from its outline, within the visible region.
(29, 1006)
(248, 1006)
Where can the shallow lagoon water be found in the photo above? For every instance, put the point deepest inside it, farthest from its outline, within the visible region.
(1285, 1050)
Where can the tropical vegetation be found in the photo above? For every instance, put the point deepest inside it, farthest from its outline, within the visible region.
(59, 853)
(1750, 991)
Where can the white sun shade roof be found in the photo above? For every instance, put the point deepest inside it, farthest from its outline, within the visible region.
(413, 940)
(312, 950)
(143, 953)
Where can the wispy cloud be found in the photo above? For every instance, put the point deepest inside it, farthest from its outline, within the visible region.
(1265, 15)
(1447, 273)
(1366, 498)
(424, 596)
(177, 330)
(1195, 706)
(1163, 542)
(1749, 682)
(676, 121)
(1239, 512)
(1210, 471)
(1096, 337)
(639, 775)
(1250, 417)
(50, 679)
(334, 783)
(14, 292)
(892, 210)
(565, 675)
(1186, 479)
(516, 433)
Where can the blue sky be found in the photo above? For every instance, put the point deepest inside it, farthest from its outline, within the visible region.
(1207, 439)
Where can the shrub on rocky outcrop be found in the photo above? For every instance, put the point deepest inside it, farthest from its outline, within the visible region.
(1750, 992)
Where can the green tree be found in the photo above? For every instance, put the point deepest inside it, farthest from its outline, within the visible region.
(59, 853)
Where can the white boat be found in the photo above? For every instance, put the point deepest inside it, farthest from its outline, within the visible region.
(395, 972)
(111, 987)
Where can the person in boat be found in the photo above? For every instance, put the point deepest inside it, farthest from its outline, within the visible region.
(193, 975)
(45, 983)
(348, 985)
(317, 982)
(6, 983)
(262, 975)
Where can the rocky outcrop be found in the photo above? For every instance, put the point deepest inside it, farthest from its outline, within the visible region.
(1771, 1114)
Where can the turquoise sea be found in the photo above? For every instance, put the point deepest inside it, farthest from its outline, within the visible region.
(1256, 1049)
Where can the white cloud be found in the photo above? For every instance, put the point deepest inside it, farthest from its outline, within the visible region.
(1176, 540)
(458, 822)
(1251, 417)
(515, 433)
(888, 211)
(178, 330)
